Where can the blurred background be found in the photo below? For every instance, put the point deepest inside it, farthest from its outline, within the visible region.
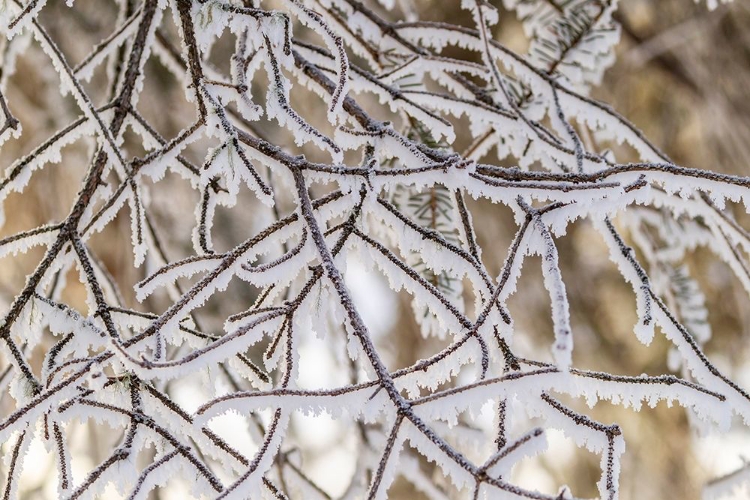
(682, 75)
